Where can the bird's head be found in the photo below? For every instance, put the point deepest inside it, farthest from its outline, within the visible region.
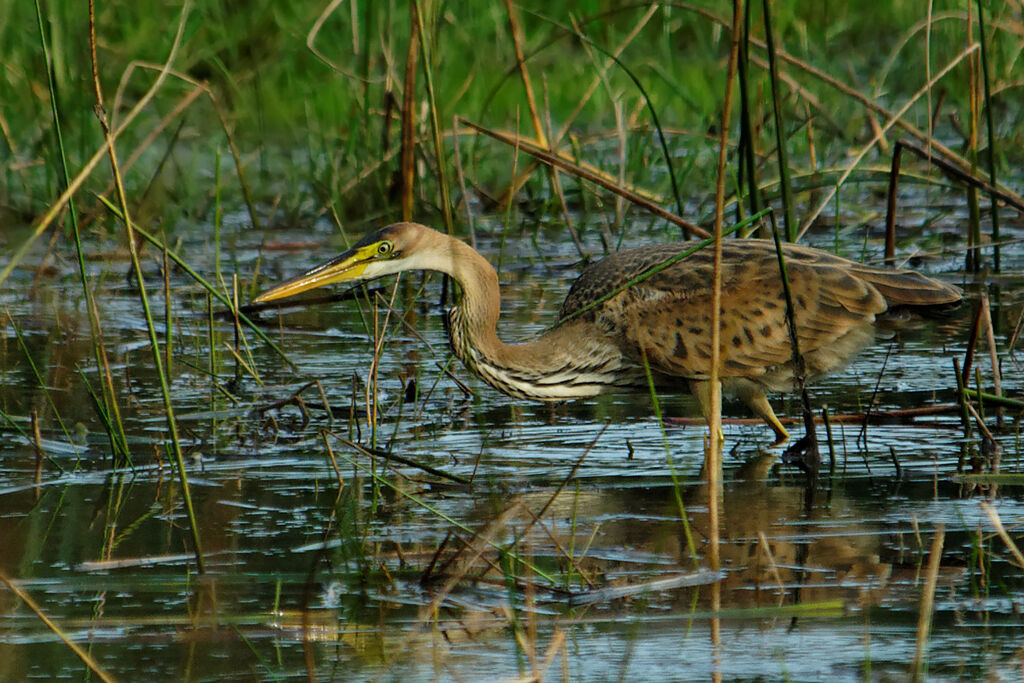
(390, 250)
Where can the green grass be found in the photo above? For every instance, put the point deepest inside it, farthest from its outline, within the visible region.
(255, 124)
(306, 128)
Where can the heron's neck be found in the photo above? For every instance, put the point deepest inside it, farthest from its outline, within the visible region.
(564, 363)
(473, 321)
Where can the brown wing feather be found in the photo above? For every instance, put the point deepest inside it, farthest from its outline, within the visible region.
(755, 335)
(667, 315)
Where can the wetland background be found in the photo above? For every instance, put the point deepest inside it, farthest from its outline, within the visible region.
(324, 494)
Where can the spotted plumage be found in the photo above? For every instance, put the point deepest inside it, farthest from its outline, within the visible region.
(650, 308)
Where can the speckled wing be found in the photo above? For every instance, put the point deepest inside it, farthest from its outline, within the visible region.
(667, 316)
(834, 313)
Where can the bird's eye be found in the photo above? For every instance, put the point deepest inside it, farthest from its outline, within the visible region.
(384, 248)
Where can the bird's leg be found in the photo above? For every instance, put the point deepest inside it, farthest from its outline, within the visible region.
(702, 392)
(758, 403)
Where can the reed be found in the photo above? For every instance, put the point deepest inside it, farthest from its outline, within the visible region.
(161, 371)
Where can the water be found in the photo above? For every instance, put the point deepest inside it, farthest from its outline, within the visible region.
(314, 564)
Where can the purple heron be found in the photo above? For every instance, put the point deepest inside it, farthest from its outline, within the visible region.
(623, 312)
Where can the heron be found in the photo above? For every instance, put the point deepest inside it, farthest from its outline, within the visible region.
(646, 311)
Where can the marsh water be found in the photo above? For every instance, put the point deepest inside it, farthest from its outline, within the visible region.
(511, 538)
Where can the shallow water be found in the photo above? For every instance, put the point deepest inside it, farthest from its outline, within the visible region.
(314, 564)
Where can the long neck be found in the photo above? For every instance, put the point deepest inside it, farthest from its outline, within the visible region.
(568, 362)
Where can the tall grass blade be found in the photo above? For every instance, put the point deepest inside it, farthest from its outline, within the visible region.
(990, 130)
(780, 141)
(154, 343)
(435, 125)
(114, 424)
(748, 166)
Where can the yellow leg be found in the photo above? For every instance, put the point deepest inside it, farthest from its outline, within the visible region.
(758, 403)
(702, 392)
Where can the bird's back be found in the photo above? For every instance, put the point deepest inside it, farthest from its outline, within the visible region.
(664, 314)
(741, 259)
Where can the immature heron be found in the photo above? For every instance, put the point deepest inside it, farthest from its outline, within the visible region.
(608, 328)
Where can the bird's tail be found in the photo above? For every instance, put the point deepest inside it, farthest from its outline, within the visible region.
(907, 288)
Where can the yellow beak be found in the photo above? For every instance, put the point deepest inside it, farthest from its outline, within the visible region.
(346, 267)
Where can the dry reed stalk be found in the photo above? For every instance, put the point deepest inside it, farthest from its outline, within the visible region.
(713, 455)
(76, 183)
(892, 121)
(601, 179)
(1001, 530)
(531, 101)
(407, 160)
(890, 206)
(86, 658)
(927, 600)
(521, 178)
(990, 337)
(161, 372)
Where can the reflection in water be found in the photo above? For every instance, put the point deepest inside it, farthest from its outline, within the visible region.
(302, 573)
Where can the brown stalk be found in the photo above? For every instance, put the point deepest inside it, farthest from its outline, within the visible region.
(893, 120)
(556, 185)
(93, 665)
(560, 161)
(993, 517)
(972, 343)
(924, 619)
(990, 337)
(531, 101)
(521, 178)
(713, 454)
(407, 159)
